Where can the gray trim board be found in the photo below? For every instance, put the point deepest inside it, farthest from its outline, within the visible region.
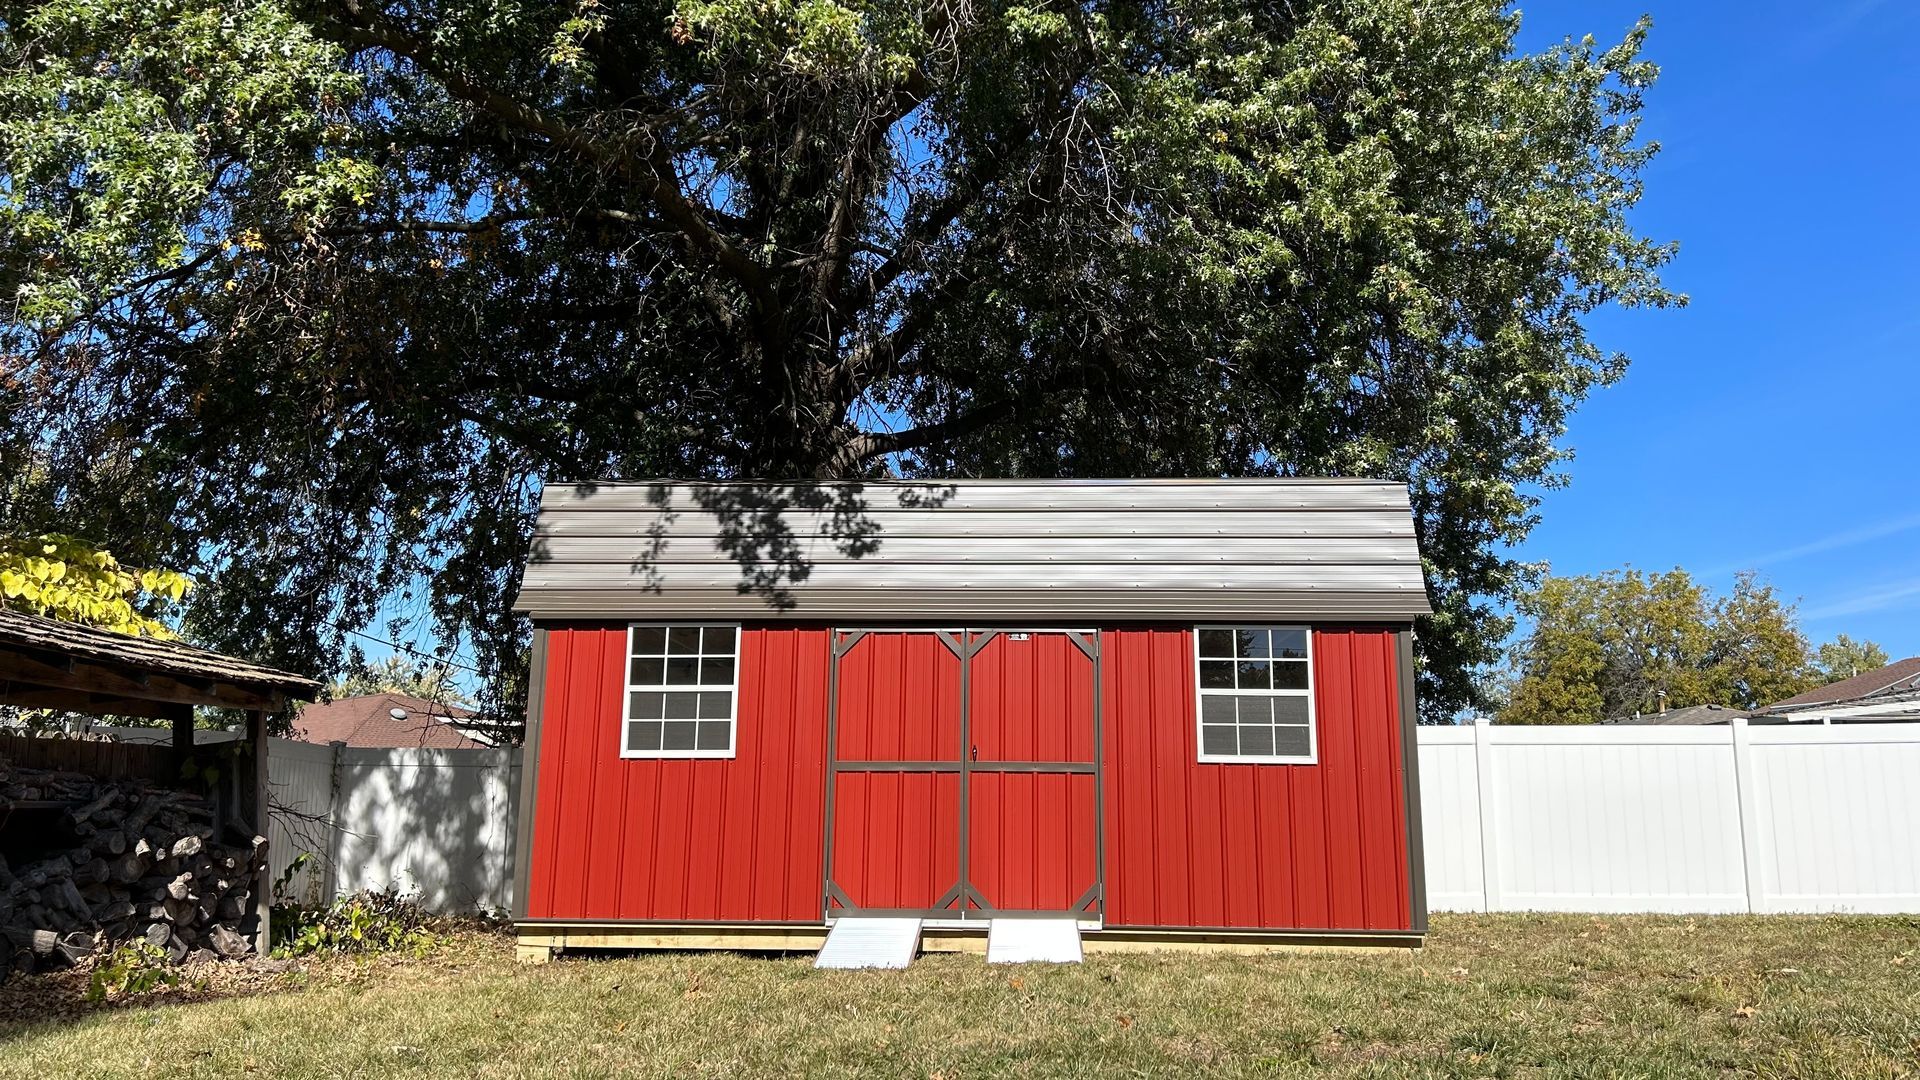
(1410, 780)
(529, 771)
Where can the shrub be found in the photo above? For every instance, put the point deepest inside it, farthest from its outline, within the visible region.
(384, 920)
(137, 967)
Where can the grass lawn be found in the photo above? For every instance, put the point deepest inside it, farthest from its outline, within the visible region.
(1490, 996)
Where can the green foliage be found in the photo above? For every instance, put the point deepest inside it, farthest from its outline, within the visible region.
(134, 968)
(61, 577)
(394, 674)
(1843, 658)
(319, 295)
(1605, 646)
(384, 920)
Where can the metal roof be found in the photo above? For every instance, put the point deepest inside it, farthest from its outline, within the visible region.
(1001, 550)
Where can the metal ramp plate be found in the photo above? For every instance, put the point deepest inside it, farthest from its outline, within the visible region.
(870, 941)
(1022, 941)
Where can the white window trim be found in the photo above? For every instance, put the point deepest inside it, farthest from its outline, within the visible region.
(733, 696)
(1312, 756)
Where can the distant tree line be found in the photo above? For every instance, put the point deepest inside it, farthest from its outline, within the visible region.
(1605, 646)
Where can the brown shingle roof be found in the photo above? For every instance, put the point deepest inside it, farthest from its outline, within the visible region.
(175, 659)
(1899, 675)
(368, 720)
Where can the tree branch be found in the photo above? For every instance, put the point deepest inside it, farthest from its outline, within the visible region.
(657, 179)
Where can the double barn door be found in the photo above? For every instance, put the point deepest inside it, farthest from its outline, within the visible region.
(965, 775)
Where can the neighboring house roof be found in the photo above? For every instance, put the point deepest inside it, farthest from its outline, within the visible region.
(1051, 551)
(1897, 676)
(369, 720)
(1692, 714)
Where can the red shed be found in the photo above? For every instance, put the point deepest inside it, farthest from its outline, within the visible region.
(1169, 711)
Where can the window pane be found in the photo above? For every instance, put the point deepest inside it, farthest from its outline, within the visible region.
(1216, 643)
(1256, 741)
(1289, 675)
(1216, 674)
(649, 639)
(644, 706)
(678, 735)
(1250, 643)
(1290, 643)
(683, 639)
(1217, 739)
(717, 640)
(644, 735)
(713, 735)
(1216, 709)
(1256, 710)
(647, 670)
(1255, 675)
(716, 671)
(715, 704)
(683, 670)
(682, 706)
(1290, 710)
(1291, 741)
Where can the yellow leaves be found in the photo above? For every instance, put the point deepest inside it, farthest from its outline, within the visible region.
(251, 240)
(61, 577)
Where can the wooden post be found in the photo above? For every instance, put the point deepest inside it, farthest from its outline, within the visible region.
(263, 821)
(181, 716)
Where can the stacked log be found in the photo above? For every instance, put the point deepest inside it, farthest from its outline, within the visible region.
(148, 863)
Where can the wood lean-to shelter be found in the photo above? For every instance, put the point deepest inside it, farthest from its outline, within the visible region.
(48, 664)
(1173, 712)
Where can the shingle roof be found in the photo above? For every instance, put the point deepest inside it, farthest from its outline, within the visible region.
(175, 659)
(1691, 715)
(368, 720)
(1899, 675)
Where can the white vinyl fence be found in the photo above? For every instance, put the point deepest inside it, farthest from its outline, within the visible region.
(1604, 819)
(1738, 818)
(438, 823)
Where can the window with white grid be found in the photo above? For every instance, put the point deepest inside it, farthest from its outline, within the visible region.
(1256, 694)
(682, 691)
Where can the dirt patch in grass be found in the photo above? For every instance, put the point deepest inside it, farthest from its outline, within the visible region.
(1490, 996)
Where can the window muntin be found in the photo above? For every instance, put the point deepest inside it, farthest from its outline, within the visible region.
(682, 691)
(1255, 694)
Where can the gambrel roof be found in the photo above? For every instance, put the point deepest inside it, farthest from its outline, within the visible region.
(988, 550)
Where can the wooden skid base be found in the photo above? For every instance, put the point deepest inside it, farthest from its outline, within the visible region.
(539, 942)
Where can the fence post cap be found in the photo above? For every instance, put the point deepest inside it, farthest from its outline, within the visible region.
(1482, 721)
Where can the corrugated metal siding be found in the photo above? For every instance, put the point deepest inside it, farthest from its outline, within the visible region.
(899, 700)
(1311, 847)
(738, 839)
(1031, 700)
(896, 837)
(1032, 844)
(999, 550)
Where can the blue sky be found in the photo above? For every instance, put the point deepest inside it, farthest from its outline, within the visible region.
(1774, 423)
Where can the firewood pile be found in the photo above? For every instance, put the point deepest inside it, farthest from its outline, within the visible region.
(116, 860)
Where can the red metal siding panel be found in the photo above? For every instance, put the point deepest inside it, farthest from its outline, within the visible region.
(896, 837)
(1311, 847)
(736, 839)
(899, 699)
(1032, 845)
(1031, 699)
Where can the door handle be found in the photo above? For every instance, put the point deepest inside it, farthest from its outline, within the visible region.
(974, 753)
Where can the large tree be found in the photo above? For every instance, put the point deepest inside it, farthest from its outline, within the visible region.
(1607, 646)
(312, 295)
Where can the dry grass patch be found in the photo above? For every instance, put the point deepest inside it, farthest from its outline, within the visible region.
(1490, 996)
